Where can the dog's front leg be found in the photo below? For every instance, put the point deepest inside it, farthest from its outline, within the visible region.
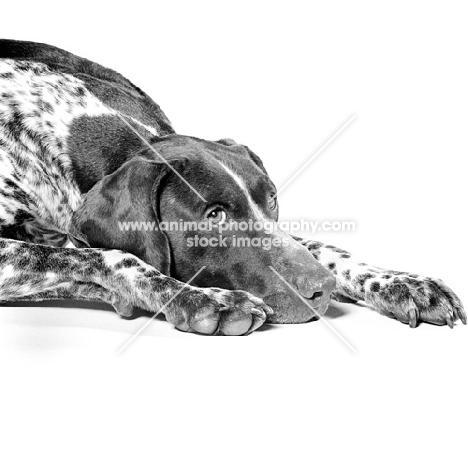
(75, 290)
(35, 272)
(407, 297)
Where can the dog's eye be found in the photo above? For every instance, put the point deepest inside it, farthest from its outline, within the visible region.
(272, 202)
(217, 216)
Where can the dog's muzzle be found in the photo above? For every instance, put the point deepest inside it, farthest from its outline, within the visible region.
(301, 289)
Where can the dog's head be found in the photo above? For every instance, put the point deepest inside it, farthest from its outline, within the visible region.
(205, 204)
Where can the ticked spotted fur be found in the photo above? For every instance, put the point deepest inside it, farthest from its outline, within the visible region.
(70, 157)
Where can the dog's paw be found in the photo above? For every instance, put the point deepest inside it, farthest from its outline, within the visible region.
(412, 299)
(213, 311)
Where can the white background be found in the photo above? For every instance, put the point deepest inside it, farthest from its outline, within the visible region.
(281, 77)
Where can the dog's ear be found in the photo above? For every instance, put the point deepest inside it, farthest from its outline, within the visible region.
(122, 212)
(253, 156)
(227, 142)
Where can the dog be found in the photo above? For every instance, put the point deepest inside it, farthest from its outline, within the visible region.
(83, 150)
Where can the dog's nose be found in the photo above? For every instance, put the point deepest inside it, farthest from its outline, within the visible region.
(313, 288)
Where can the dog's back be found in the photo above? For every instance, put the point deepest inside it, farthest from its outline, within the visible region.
(110, 87)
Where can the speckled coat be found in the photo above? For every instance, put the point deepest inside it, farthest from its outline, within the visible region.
(76, 142)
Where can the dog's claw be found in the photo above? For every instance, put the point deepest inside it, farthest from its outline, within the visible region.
(413, 317)
(449, 319)
(461, 315)
(259, 318)
(268, 309)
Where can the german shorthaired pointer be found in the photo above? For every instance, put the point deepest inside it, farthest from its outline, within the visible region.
(75, 164)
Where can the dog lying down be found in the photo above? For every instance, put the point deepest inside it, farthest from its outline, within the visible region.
(84, 154)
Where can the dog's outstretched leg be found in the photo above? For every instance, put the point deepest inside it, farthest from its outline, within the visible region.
(407, 297)
(35, 272)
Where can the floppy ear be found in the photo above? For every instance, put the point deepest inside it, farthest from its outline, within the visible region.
(253, 156)
(129, 196)
(227, 142)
